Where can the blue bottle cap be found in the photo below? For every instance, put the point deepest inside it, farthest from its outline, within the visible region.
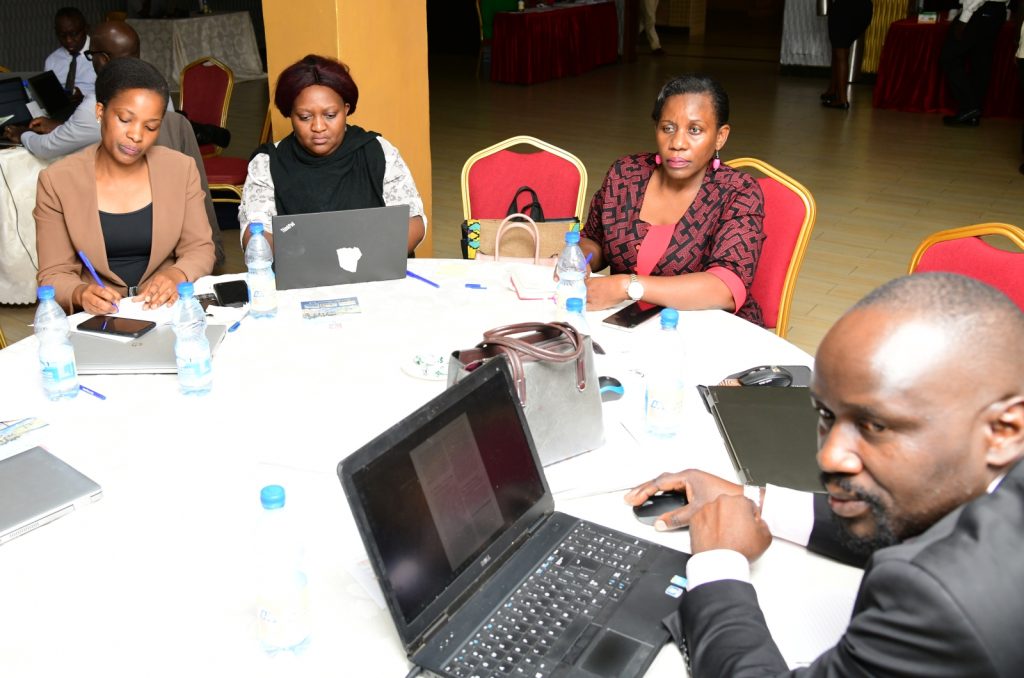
(272, 497)
(669, 318)
(45, 293)
(574, 305)
(255, 227)
(572, 237)
(186, 289)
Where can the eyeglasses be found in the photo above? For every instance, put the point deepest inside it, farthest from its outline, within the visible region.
(90, 53)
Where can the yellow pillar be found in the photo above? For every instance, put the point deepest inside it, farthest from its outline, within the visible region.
(384, 43)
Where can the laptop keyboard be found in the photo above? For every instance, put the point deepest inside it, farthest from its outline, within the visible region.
(549, 616)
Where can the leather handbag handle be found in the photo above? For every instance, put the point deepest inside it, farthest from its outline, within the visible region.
(533, 207)
(518, 220)
(515, 347)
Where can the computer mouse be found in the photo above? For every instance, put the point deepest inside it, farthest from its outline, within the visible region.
(611, 388)
(766, 375)
(658, 505)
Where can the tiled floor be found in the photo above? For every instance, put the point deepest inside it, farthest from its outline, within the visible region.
(882, 180)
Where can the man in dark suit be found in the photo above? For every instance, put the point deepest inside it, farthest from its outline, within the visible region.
(920, 395)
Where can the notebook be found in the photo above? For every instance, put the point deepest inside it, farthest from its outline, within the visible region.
(152, 353)
(52, 95)
(480, 574)
(36, 488)
(336, 248)
(771, 433)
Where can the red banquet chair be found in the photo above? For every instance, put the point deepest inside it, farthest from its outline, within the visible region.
(961, 250)
(206, 86)
(789, 214)
(491, 177)
(227, 175)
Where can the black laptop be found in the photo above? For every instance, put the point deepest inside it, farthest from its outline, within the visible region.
(52, 95)
(13, 103)
(481, 575)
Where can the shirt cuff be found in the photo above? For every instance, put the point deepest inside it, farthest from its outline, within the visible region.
(788, 513)
(733, 282)
(716, 565)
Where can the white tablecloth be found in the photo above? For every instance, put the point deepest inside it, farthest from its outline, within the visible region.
(156, 578)
(172, 44)
(18, 263)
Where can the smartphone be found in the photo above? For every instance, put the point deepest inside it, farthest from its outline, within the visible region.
(122, 327)
(207, 300)
(232, 293)
(631, 316)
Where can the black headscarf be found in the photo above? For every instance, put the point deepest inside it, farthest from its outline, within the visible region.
(352, 177)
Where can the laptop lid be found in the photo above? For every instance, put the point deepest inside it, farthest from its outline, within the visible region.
(336, 248)
(152, 353)
(13, 102)
(52, 95)
(37, 488)
(443, 494)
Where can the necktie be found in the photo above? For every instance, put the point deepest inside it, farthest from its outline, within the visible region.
(69, 84)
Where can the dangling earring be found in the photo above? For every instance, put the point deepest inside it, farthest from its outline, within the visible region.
(657, 158)
(717, 162)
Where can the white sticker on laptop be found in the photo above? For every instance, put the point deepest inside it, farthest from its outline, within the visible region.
(287, 227)
(348, 258)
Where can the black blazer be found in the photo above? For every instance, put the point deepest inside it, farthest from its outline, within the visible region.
(949, 602)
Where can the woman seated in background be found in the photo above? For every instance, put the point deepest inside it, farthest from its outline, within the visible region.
(136, 210)
(325, 164)
(677, 228)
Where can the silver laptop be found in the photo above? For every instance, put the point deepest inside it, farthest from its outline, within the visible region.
(152, 353)
(36, 488)
(337, 248)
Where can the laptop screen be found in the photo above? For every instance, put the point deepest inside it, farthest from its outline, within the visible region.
(448, 486)
(50, 93)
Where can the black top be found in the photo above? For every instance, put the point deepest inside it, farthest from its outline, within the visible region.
(129, 240)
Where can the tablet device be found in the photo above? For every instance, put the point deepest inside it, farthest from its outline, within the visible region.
(122, 327)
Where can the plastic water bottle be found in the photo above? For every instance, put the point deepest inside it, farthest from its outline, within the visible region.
(262, 286)
(665, 388)
(191, 348)
(572, 274)
(575, 317)
(283, 618)
(56, 355)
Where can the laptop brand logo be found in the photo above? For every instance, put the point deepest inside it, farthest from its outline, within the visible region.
(287, 227)
(348, 258)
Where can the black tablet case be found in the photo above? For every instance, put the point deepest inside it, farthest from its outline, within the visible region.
(770, 433)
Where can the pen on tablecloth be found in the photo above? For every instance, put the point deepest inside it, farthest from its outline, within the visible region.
(86, 389)
(238, 322)
(421, 279)
(95, 276)
(476, 286)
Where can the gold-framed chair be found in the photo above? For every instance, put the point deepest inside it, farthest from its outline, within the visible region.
(491, 176)
(789, 215)
(227, 175)
(962, 250)
(3, 339)
(206, 86)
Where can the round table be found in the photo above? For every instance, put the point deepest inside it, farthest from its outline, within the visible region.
(157, 577)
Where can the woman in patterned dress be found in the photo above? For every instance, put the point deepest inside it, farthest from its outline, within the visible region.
(676, 227)
(325, 164)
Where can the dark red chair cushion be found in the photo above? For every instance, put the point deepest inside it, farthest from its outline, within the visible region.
(223, 170)
(784, 214)
(977, 259)
(493, 181)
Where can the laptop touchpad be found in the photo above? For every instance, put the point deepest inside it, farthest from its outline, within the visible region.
(611, 655)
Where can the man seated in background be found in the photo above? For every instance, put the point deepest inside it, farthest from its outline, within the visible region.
(68, 61)
(919, 390)
(113, 40)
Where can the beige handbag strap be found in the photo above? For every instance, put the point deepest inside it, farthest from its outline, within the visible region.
(516, 347)
(518, 220)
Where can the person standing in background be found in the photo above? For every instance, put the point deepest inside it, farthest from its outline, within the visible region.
(68, 61)
(847, 21)
(649, 9)
(971, 39)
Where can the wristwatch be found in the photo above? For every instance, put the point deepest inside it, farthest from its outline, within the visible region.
(635, 289)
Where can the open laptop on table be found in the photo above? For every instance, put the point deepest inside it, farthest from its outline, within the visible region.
(152, 353)
(336, 248)
(481, 575)
(52, 95)
(13, 107)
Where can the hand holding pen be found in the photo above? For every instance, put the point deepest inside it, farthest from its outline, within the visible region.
(96, 299)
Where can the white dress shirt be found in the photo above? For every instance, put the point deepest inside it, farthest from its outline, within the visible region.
(59, 62)
(969, 7)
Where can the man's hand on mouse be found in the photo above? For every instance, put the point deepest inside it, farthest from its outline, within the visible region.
(701, 488)
(730, 522)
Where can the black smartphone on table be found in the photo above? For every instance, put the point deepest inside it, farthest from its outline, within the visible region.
(631, 316)
(233, 293)
(122, 327)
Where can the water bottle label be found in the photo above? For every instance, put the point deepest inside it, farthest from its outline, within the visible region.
(54, 373)
(283, 619)
(194, 370)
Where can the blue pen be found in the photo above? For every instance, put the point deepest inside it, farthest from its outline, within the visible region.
(422, 279)
(95, 276)
(476, 286)
(589, 257)
(238, 322)
(92, 392)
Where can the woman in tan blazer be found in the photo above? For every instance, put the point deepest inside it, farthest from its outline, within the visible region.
(136, 211)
